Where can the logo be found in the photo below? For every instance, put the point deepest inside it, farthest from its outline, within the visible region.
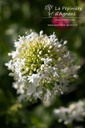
(49, 8)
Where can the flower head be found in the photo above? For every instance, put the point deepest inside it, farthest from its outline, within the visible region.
(75, 112)
(41, 66)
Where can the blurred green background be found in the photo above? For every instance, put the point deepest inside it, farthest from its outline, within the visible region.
(16, 18)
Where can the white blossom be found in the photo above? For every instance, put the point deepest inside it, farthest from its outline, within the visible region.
(41, 66)
(75, 112)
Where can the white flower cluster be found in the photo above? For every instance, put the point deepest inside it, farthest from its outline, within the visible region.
(41, 66)
(75, 112)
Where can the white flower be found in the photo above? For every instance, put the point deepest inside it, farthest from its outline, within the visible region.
(41, 66)
(75, 112)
